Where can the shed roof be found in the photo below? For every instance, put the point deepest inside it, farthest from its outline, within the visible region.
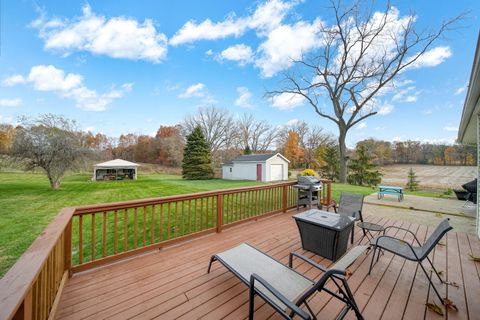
(257, 157)
(117, 163)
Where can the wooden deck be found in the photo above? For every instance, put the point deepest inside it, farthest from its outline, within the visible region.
(173, 284)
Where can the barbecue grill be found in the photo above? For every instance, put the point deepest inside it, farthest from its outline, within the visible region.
(471, 188)
(308, 191)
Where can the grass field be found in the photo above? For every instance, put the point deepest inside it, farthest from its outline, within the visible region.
(27, 204)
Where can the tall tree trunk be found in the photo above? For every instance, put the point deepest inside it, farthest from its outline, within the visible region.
(342, 151)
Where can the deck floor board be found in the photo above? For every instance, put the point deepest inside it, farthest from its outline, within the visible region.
(172, 283)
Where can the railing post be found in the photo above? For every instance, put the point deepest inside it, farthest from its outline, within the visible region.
(284, 198)
(25, 311)
(68, 248)
(219, 212)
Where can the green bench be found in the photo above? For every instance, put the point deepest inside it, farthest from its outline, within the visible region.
(395, 191)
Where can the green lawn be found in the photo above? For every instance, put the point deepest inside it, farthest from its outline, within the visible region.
(27, 204)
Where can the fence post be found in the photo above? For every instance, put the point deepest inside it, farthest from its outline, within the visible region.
(68, 248)
(219, 212)
(284, 198)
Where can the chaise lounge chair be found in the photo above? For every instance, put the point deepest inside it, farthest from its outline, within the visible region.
(282, 287)
(412, 253)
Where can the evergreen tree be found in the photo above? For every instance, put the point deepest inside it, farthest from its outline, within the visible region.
(412, 182)
(328, 156)
(247, 150)
(197, 160)
(362, 170)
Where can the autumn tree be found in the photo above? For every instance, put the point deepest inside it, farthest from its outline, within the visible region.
(51, 143)
(197, 161)
(169, 145)
(257, 135)
(7, 133)
(292, 149)
(362, 53)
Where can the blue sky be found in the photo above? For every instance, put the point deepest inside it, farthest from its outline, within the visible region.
(130, 66)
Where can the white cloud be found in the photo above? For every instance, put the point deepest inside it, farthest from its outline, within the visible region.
(7, 119)
(286, 43)
(10, 102)
(385, 109)
(116, 37)
(13, 80)
(450, 128)
(287, 101)
(427, 111)
(292, 122)
(195, 90)
(379, 128)
(265, 17)
(433, 57)
(461, 89)
(89, 129)
(239, 52)
(361, 126)
(244, 98)
(50, 78)
(209, 52)
(411, 98)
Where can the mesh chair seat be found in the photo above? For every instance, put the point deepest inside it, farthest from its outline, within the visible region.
(399, 247)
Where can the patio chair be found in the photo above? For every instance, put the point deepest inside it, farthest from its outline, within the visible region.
(411, 252)
(285, 289)
(351, 204)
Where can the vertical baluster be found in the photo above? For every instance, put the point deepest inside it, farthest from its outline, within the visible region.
(190, 216)
(244, 203)
(232, 199)
(160, 229)
(195, 214)
(144, 226)
(115, 236)
(135, 227)
(152, 226)
(176, 220)
(80, 239)
(104, 233)
(93, 236)
(183, 218)
(206, 211)
(125, 229)
(201, 214)
(236, 207)
(168, 223)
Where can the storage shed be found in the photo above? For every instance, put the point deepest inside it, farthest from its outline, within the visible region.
(260, 167)
(117, 169)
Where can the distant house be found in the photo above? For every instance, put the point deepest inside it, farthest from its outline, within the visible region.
(469, 130)
(117, 169)
(260, 167)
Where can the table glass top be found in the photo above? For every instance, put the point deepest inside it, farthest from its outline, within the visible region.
(325, 219)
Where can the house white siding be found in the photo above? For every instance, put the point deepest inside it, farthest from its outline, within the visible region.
(478, 174)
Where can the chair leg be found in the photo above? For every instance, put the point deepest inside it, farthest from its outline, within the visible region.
(212, 259)
(353, 231)
(314, 317)
(435, 270)
(431, 283)
(351, 300)
(251, 303)
(373, 258)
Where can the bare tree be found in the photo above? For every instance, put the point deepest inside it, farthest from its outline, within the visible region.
(258, 135)
(49, 142)
(216, 124)
(360, 56)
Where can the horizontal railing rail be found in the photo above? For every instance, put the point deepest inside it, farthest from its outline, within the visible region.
(86, 237)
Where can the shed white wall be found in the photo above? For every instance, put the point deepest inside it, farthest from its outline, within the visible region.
(246, 171)
(273, 161)
(226, 174)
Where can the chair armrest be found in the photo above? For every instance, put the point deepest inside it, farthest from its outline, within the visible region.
(409, 231)
(310, 261)
(255, 277)
(393, 238)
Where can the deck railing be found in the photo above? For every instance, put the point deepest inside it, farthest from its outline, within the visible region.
(86, 237)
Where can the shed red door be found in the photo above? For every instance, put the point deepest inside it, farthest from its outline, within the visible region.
(259, 172)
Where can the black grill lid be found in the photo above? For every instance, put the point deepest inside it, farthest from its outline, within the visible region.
(471, 186)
